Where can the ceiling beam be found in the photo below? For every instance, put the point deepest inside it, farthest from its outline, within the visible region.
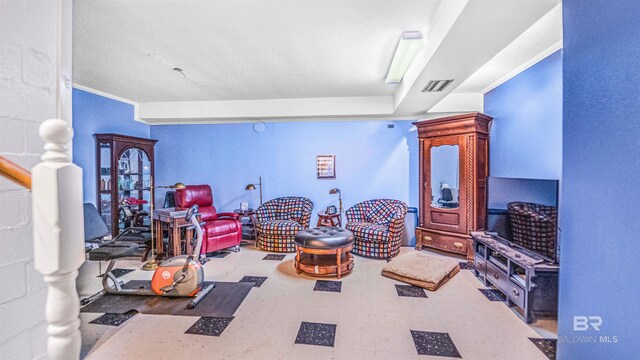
(269, 109)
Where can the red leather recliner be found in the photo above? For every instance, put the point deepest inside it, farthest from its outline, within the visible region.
(221, 230)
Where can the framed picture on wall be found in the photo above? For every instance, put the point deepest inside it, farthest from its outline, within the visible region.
(326, 166)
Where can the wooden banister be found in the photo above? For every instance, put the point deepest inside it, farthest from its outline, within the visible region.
(15, 172)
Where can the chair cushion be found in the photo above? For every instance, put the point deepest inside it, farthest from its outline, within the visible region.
(221, 227)
(324, 238)
(139, 237)
(381, 213)
(112, 251)
(421, 269)
(280, 227)
(369, 232)
(208, 213)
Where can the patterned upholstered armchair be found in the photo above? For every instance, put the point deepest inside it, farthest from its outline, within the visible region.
(377, 227)
(279, 220)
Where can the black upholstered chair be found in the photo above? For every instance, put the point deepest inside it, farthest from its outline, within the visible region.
(169, 199)
(95, 230)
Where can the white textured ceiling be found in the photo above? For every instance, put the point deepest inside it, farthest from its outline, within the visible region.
(279, 60)
(240, 50)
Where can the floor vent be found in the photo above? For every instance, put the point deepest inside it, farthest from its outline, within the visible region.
(437, 85)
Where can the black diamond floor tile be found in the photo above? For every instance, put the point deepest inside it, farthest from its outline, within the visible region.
(210, 326)
(493, 295)
(113, 319)
(547, 346)
(410, 291)
(118, 272)
(218, 254)
(274, 257)
(256, 280)
(326, 285)
(316, 334)
(434, 343)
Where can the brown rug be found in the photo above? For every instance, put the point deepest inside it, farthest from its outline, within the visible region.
(222, 301)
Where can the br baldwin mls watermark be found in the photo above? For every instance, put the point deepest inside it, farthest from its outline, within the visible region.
(585, 323)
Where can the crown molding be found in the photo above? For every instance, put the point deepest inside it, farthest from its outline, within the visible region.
(104, 94)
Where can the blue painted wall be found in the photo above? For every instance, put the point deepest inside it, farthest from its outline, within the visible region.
(526, 134)
(601, 189)
(372, 161)
(97, 114)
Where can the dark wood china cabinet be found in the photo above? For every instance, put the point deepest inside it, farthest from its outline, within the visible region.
(125, 166)
(454, 166)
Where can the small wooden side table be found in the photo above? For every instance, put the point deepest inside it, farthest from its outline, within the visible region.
(174, 220)
(251, 214)
(331, 220)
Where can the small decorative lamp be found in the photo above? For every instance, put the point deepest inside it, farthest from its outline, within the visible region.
(177, 185)
(153, 263)
(253, 187)
(337, 191)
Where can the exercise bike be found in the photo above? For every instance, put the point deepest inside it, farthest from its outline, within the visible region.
(179, 276)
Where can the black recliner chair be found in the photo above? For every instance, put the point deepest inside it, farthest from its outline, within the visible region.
(95, 230)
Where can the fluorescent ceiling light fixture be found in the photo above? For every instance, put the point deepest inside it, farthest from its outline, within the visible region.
(409, 44)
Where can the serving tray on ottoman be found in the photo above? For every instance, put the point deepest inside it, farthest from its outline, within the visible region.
(420, 269)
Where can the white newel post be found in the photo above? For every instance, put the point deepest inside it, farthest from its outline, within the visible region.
(58, 227)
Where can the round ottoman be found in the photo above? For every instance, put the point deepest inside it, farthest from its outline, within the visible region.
(324, 251)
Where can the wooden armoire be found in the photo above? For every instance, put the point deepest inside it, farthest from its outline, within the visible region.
(454, 166)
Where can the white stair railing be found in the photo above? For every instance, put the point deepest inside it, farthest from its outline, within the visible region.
(58, 228)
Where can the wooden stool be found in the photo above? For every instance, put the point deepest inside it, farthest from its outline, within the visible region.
(330, 220)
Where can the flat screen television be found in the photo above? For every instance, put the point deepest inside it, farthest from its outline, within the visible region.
(502, 191)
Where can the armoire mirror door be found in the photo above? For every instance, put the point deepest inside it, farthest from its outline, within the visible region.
(444, 163)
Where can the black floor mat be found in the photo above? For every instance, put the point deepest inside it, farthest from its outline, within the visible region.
(222, 301)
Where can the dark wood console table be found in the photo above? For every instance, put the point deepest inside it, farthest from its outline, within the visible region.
(528, 281)
(174, 220)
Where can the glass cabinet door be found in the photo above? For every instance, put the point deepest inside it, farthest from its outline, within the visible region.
(106, 183)
(134, 180)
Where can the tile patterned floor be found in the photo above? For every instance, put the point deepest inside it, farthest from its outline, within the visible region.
(210, 326)
(113, 319)
(368, 318)
(410, 291)
(119, 272)
(547, 346)
(257, 280)
(275, 257)
(493, 295)
(316, 334)
(218, 254)
(328, 285)
(434, 343)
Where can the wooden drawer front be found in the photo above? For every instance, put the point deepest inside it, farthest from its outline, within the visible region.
(445, 218)
(480, 265)
(516, 294)
(444, 242)
(497, 277)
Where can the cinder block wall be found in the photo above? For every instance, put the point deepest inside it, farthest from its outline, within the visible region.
(27, 97)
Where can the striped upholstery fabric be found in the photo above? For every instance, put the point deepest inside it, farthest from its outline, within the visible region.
(279, 220)
(377, 227)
